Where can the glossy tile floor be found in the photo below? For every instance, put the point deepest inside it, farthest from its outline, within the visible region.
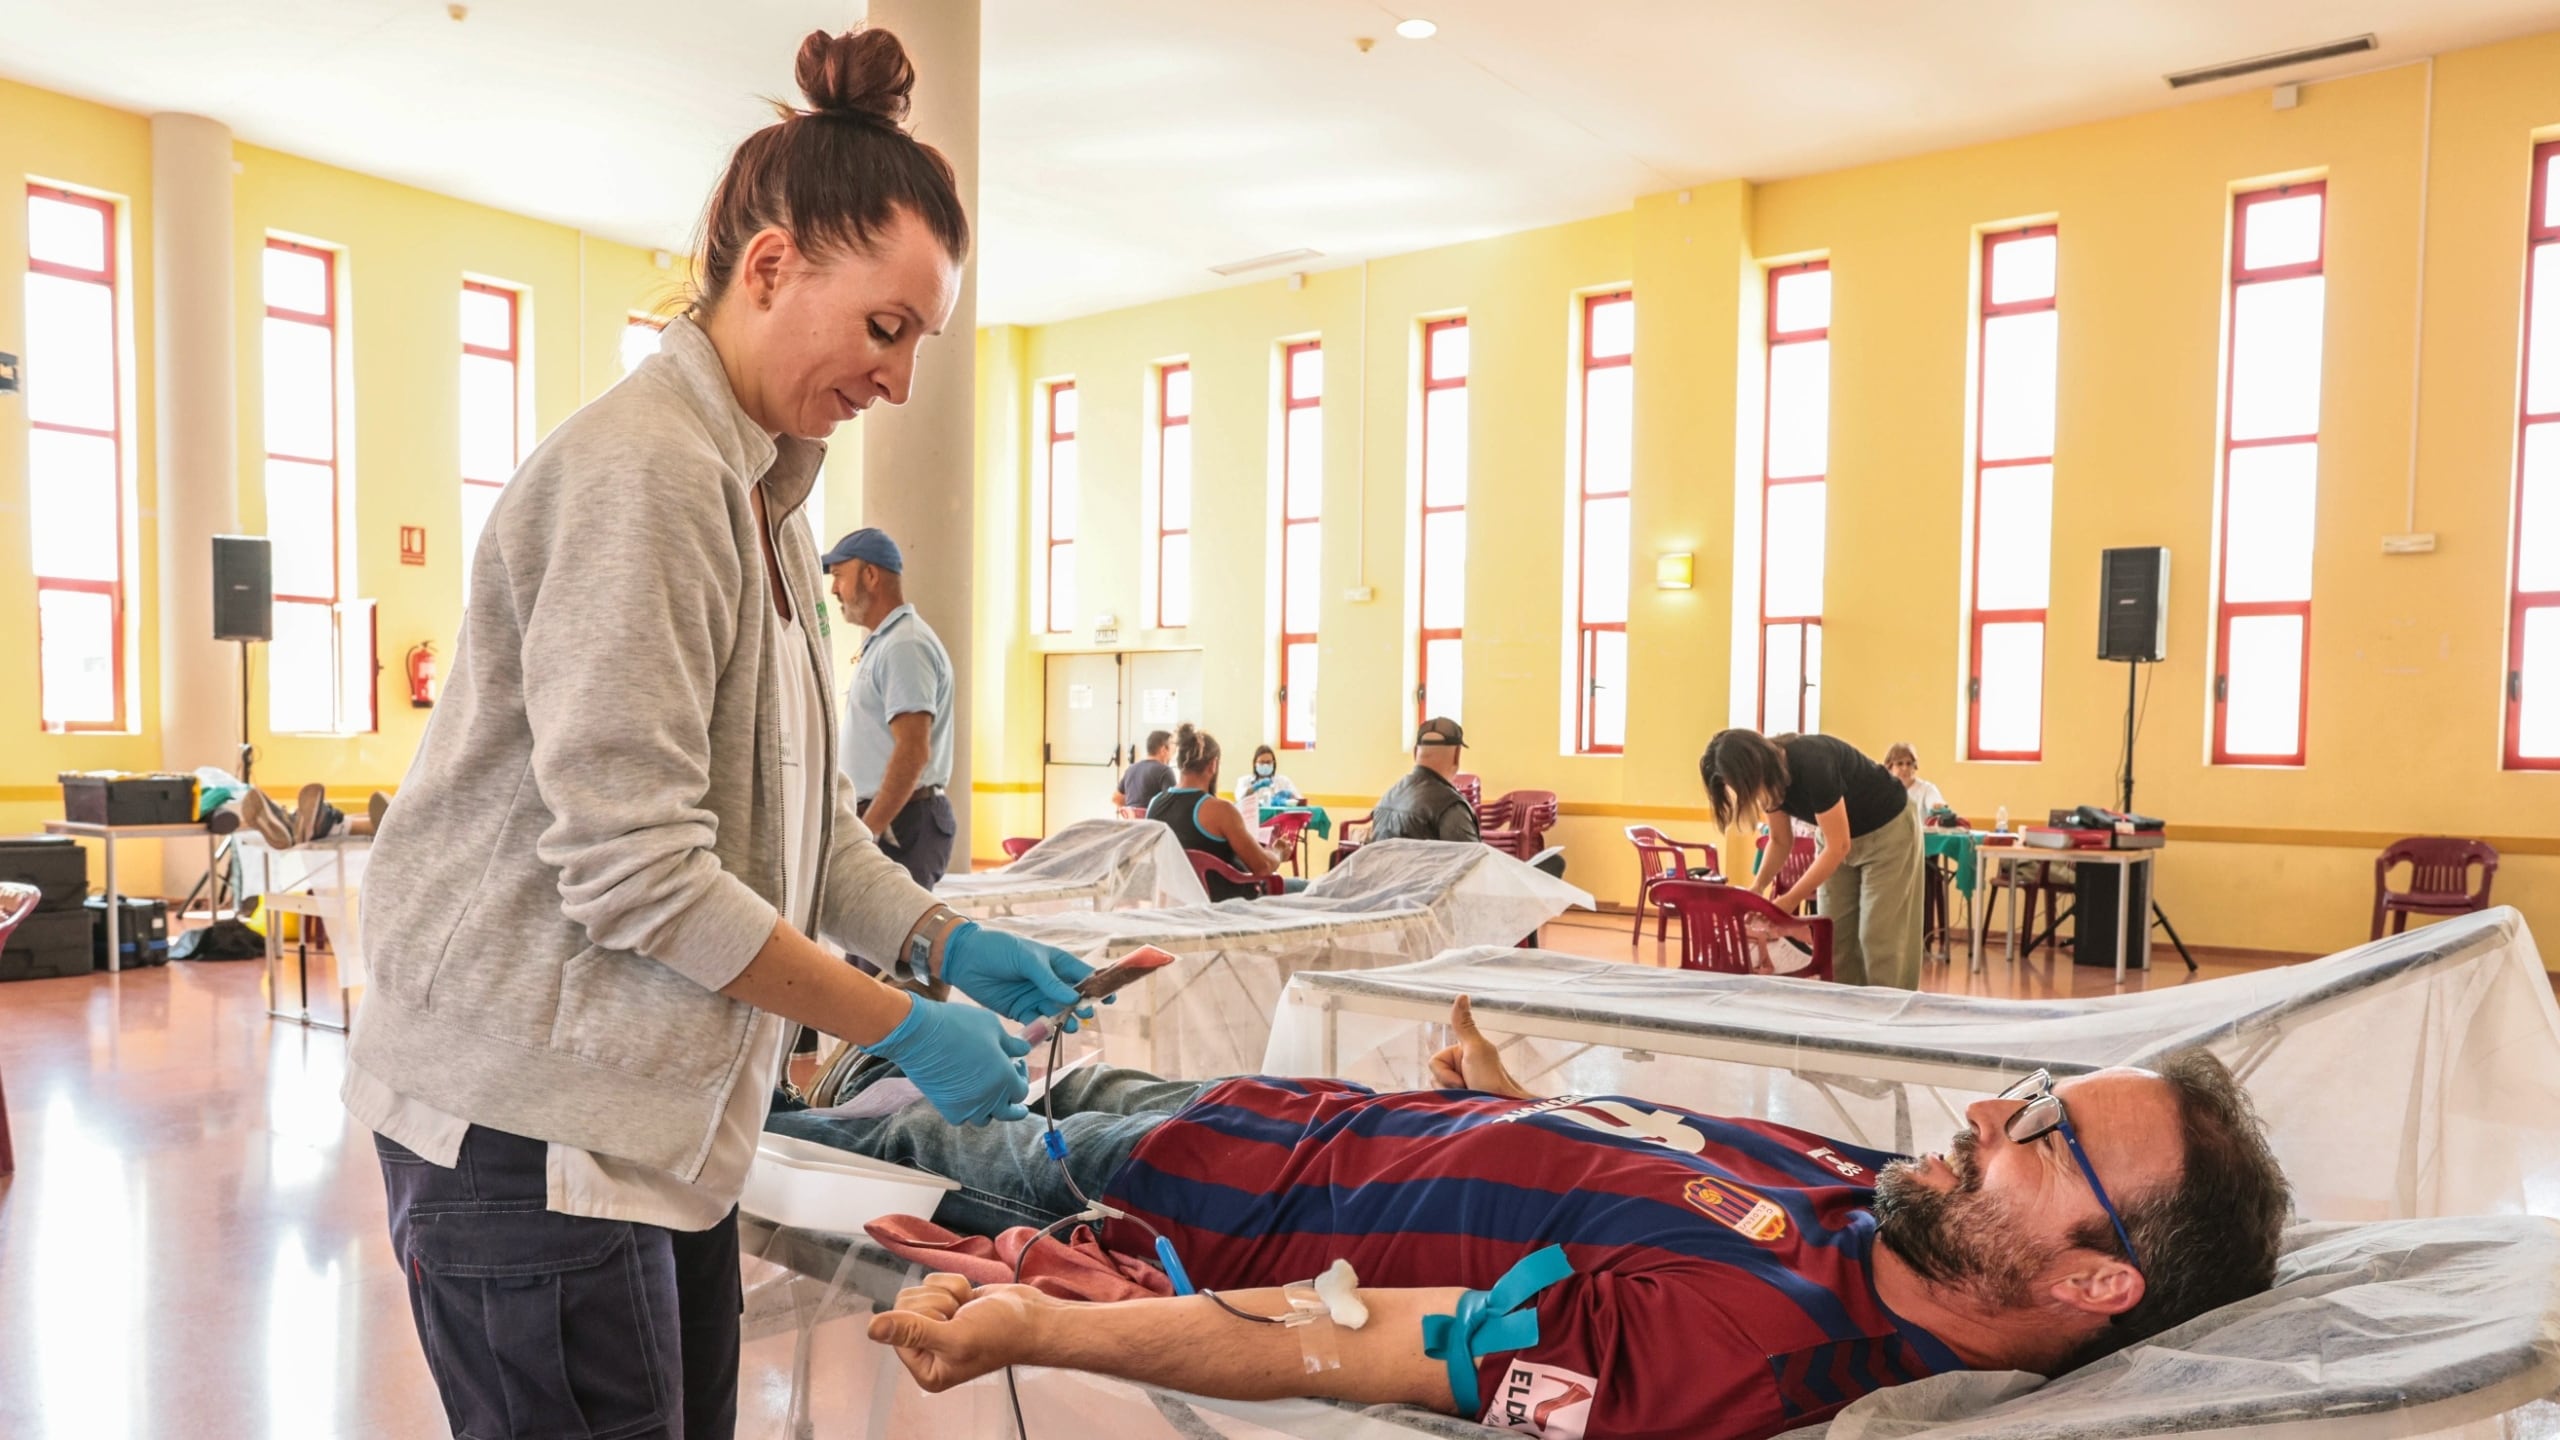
(193, 1245)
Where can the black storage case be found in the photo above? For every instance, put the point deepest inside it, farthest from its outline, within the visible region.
(142, 931)
(48, 945)
(54, 864)
(129, 800)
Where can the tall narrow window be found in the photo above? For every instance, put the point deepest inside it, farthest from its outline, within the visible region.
(2533, 624)
(1795, 465)
(1173, 496)
(2270, 470)
(1441, 577)
(641, 335)
(319, 666)
(1301, 538)
(1601, 501)
(2012, 580)
(492, 417)
(75, 458)
(1059, 548)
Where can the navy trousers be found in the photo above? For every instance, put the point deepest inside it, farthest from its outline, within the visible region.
(540, 1326)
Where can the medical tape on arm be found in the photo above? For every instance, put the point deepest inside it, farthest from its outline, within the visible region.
(1491, 1320)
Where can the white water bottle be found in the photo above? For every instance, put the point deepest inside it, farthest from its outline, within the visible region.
(2000, 821)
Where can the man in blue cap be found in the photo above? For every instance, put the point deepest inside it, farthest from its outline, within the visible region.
(897, 725)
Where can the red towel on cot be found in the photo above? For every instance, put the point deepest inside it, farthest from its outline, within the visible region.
(1081, 1270)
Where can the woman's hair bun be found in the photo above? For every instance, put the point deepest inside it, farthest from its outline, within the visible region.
(862, 73)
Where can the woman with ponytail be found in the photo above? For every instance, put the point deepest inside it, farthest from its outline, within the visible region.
(590, 912)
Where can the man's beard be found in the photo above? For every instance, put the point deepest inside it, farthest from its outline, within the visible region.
(1962, 1238)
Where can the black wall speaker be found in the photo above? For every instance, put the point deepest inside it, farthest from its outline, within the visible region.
(244, 598)
(2133, 604)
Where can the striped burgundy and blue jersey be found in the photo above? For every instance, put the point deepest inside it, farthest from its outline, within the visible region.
(1720, 1289)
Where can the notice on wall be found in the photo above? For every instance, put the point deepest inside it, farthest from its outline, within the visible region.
(1159, 707)
(1079, 697)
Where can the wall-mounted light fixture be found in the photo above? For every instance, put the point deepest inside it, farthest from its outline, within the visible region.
(1677, 570)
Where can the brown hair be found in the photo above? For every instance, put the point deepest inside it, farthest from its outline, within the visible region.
(1194, 749)
(2210, 1237)
(1739, 768)
(836, 174)
(1901, 750)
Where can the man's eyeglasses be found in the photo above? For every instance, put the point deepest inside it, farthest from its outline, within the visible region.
(2041, 1115)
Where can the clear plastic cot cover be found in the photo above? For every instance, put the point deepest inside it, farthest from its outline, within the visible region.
(2415, 1076)
(1391, 902)
(1091, 865)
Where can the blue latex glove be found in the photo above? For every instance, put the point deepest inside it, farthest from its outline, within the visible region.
(1017, 978)
(962, 1059)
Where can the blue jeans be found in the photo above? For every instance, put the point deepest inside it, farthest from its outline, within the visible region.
(539, 1325)
(1005, 1173)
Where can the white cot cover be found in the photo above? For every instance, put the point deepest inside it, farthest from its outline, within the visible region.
(2415, 1076)
(1107, 864)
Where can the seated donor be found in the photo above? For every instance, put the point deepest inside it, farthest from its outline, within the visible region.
(1265, 786)
(1869, 867)
(1426, 804)
(1718, 1279)
(1214, 827)
(1904, 762)
(1149, 777)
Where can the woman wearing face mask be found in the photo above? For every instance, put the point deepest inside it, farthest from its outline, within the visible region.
(1266, 787)
(589, 911)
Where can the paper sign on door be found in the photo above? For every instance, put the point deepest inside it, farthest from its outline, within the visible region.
(1159, 707)
(1079, 697)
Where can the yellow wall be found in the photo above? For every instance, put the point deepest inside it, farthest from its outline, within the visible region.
(406, 252)
(2407, 651)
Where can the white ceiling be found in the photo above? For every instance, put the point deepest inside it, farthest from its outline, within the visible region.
(1129, 145)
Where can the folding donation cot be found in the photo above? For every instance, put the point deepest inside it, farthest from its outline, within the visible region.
(1090, 865)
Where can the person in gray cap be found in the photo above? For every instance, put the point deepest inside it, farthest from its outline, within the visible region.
(897, 724)
(1426, 805)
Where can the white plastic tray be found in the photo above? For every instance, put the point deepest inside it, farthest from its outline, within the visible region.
(817, 1187)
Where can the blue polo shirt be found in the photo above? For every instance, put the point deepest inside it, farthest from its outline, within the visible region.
(903, 671)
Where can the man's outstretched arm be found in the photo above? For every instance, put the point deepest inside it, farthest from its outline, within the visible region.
(948, 1333)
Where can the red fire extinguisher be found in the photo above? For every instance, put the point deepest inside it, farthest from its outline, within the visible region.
(422, 675)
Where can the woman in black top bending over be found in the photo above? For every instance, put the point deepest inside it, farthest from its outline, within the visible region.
(1203, 822)
(1868, 870)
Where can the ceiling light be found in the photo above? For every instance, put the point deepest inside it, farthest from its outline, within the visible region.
(1265, 262)
(2256, 63)
(1416, 29)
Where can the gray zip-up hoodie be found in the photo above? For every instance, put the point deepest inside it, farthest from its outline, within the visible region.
(589, 842)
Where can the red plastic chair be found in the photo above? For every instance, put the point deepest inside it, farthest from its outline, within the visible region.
(1799, 860)
(2439, 879)
(1517, 824)
(1348, 836)
(1712, 936)
(1288, 834)
(2053, 883)
(1471, 786)
(1015, 845)
(17, 902)
(1206, 866)
(1660, 858)
(1132, 812)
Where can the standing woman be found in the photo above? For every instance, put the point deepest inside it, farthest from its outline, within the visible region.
(589, 909)
(1868, 870)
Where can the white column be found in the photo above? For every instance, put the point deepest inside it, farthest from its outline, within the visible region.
(196, 490)
(919, 460)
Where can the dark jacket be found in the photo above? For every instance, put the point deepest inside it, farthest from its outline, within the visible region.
(1422, 806)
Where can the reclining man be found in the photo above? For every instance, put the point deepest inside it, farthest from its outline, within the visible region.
(1728, 1279)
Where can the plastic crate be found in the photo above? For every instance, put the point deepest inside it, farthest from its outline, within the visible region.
(129, 799)
(54, 864)
(48, 945)
(142, 932)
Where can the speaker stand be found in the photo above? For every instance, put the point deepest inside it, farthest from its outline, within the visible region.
(2132, 700)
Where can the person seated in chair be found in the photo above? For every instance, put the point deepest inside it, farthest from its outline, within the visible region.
(1426, 804)
(1149, 776)
(1214, 827)
(1712, 1278)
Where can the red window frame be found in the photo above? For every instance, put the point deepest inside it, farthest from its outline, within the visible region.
(1586, 648)
(1424, 634)
(326, 318)
(512, 355)
(1983, 618)
(115, 590)
(1808, 657)
(2225, 610)
(1051, 621)
(2540, 232)
(1166, 423)
(1292, 401)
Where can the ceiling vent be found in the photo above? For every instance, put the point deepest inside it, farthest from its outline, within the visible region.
(2234, 69)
